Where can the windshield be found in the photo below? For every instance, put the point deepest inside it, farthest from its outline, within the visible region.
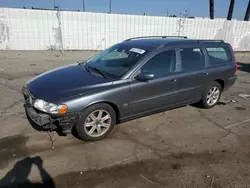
(115, 61)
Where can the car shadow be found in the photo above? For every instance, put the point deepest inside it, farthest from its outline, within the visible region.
(197, 105)
(245, 67)
(200, 106)
(18, 176)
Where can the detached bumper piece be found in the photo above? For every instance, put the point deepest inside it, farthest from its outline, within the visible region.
(49, 122)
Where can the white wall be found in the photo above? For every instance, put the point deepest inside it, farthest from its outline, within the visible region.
(25, 29)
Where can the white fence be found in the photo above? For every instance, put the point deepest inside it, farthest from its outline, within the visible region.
(26, 29)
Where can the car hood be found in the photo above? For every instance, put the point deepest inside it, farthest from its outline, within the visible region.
(65, 82)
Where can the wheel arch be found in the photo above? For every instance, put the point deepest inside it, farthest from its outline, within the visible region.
(114, 106)
(221, 82)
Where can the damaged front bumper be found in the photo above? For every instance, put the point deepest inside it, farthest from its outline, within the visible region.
(50, 122)
(45, 121)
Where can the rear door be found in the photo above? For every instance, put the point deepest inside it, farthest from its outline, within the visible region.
(194, 74)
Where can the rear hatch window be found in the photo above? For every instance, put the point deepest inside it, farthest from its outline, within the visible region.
(219, 55)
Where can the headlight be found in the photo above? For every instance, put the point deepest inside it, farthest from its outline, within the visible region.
(50, 107)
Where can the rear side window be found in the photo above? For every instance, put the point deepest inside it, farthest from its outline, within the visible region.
(219, 55)
(192, 59)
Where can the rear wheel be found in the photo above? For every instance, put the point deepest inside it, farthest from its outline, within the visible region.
(212, 95)
(96, 122)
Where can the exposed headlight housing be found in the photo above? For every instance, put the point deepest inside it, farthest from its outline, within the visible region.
(25, 91)
(50, 107)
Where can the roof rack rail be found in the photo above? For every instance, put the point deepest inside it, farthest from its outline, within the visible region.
(134, 38)
(219, 41)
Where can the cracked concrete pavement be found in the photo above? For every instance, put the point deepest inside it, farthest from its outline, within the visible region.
(185, 147)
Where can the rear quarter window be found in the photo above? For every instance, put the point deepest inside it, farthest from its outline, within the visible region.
(219, 55)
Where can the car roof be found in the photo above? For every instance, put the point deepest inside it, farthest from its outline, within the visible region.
(150, 44)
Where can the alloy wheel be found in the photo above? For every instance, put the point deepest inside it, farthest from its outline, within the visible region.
(213, 95)
(97, 123)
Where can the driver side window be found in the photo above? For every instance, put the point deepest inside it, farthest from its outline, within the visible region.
(162, 64)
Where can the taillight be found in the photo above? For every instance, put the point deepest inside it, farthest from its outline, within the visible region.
(234, 59)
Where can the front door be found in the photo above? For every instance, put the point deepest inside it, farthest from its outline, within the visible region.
(160, 92)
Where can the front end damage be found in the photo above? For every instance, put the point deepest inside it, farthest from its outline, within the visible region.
(45, 121)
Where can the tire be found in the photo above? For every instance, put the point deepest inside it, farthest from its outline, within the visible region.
(92, 126)
(216, 97)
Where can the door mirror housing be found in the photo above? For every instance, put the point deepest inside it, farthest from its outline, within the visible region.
(145, 77)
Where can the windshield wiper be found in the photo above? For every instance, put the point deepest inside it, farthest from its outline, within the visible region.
(96, 70)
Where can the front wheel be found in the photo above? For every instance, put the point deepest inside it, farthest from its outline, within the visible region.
(212, 95)
(96, 122)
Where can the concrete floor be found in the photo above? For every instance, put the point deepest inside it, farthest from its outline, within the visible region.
(185, 147)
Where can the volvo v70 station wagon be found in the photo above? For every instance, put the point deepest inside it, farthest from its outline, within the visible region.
(132, 79)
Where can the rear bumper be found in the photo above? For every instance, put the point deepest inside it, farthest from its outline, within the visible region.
(230, 82)
(43, 121)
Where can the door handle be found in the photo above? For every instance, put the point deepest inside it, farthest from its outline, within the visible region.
(173, 81)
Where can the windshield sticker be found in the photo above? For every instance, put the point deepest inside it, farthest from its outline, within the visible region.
(137, 50)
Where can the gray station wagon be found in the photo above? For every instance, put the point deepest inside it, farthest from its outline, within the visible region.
(132, 79)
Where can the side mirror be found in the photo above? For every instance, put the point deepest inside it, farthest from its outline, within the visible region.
(145, 77)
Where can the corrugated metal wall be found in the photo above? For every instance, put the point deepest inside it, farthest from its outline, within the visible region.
(25, 29)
